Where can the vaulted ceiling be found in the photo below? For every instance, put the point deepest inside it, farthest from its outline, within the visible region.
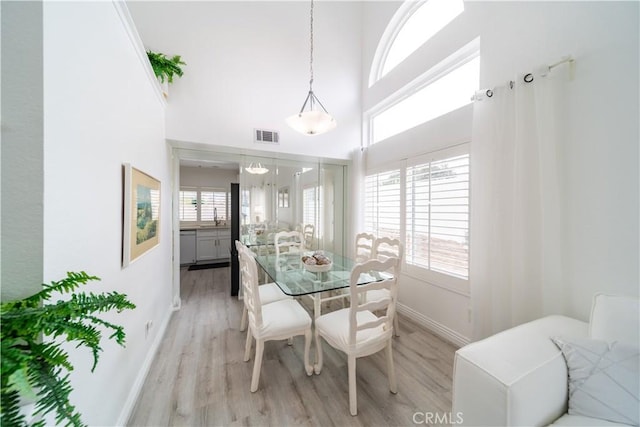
(248, 68)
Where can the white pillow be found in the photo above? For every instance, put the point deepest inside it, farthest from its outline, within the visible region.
(603, 379)
(615, 318)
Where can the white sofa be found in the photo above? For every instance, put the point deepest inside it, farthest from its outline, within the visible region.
(519, 377)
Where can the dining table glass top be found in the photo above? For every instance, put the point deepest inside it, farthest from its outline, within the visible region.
(290, 273)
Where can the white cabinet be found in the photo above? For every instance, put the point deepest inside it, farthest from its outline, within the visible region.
(206, 245)
(224, 243)
(187, 247)
(213, 244)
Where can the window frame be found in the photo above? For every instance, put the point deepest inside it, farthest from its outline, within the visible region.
(388, 39)
(429, 274)
(459, 58)
(199, 191)
(450, 282)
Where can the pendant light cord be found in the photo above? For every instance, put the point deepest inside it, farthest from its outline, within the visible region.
(311, 50)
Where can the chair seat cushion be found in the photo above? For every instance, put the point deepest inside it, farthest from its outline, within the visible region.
(334, 327)
(282, 319)
(270, 292)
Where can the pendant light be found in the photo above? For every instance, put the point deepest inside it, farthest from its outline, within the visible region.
(256, 169)
(313, 121)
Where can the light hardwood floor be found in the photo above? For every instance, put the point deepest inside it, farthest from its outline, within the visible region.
(198, 377)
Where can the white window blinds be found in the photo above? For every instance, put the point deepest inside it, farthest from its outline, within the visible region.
(213, 205)
(312, 207)
(425, 204)
(382, 204)
(188, 205)
(437, 215)
(204, 205)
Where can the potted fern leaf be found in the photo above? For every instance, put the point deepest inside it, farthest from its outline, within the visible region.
(165, 68)
(38, 368)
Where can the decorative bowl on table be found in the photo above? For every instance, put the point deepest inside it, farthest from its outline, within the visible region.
(316, 263)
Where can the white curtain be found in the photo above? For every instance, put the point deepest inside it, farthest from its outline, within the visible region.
(517, 203)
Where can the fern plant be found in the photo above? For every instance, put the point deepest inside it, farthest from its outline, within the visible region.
(35, 368)
(164, 67)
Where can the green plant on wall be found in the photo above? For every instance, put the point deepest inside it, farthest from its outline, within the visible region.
(34, 363)
(164, 67)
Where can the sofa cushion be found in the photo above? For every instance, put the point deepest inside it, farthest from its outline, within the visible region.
(579, 421)
(603, 379)
(516, 377)
(615, 318)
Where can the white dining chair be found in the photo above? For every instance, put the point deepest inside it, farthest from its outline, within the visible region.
(278, 320)
(383, 249)
(364, 246)
(356, 330)
(308, 234)
(288, 241)
(269, 292)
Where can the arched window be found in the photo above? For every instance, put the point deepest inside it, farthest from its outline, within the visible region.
(412, 25)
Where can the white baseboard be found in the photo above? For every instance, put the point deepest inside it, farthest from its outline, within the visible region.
(442, 331)
(132, 398)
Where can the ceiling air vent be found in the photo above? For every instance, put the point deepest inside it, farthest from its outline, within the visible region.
(267, 136)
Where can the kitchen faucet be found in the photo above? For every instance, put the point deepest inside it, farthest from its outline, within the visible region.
(215, 216)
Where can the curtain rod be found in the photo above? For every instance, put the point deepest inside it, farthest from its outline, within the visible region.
(528, 78)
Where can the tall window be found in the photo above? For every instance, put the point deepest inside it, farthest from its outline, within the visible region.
(433, 218)
(437, 215)
(200, 205)
(382, 204)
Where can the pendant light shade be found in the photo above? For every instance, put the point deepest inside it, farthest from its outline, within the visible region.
(256, 169)
(312, 121)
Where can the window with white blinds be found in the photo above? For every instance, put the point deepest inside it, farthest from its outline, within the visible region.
(311, 207)
(382, 204)
(213, 205)
(201, 205)
(437, 215)
(188, 206)
(425, 204)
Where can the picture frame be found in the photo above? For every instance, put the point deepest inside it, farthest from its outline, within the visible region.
(283, 197)
(141, 214)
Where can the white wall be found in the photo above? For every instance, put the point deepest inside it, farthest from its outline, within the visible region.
(207, 177)
(601, 151)
(248, 67)
(101, 111)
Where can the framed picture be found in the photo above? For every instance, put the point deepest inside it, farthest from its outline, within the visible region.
(283, 197)
(141, 214)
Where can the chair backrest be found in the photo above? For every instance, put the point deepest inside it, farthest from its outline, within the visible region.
(239, 247)
(249, 276)
(308, 232)
(289, 240)
(387, 304)
(364, 246)
(384, 248)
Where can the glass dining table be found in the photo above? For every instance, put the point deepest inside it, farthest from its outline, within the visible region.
(297, 279)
